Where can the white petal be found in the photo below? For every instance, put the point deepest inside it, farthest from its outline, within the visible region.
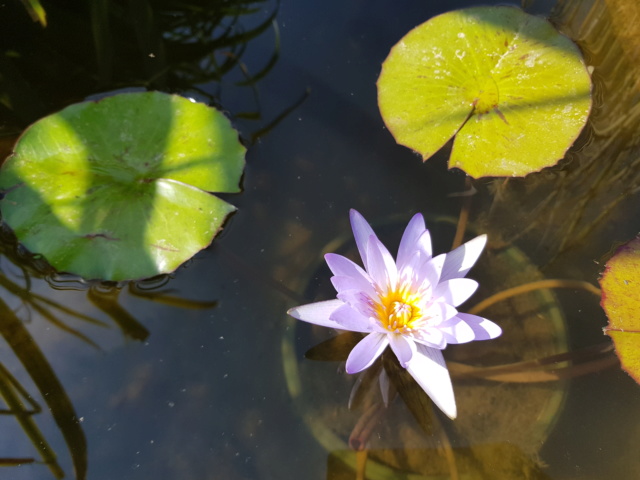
(404, 349)
(342, 283)
(410, 270)
(455, 291)
(431, 270)
(318, 313)
(366, 352)
(431, 337)
(361, 232)
(412, 233)
(457, 331)
(424, 244)
(430, 371)
(381, 268)
(484, 329)
(343, 267)
(439, 312)
(358, 301)
(460, 260)
(349, 318)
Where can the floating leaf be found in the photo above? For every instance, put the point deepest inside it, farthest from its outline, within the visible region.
(119, 189)
(620, 284)
(513, 91)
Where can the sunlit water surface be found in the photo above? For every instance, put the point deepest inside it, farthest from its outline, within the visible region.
(206, 396)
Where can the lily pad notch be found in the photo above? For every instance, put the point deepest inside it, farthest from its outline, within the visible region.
(513, 91)
(122, 188)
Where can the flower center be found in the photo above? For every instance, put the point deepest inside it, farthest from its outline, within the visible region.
(398, 311)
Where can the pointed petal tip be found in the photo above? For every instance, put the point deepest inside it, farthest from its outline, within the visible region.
(478, 243)
(318, 313)
(452, 413)
(493, 329)
(483, 328)
(447, 405)
(354, 214)
(418, 217)
(361, 232)
(459, 261)
(429, 370)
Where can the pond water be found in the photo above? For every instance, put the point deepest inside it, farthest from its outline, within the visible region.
(180, 387)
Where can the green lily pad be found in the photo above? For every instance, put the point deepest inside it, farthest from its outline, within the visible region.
(119, 189)
(513, 91)
(620, 285)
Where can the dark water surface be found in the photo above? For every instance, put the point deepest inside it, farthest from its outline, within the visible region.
(205, 395)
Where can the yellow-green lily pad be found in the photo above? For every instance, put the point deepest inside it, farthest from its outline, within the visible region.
(513, 91)
(620, 285)
(121, 188)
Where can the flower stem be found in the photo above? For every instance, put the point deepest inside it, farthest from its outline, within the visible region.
(547, 369)
(447, 448)
(530, 287)
(361, 433)
(463, 218)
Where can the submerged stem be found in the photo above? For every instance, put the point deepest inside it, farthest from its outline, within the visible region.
(463, 218)
(448, 449)
(361, 464)
(530, 287)
(361, 433)
(547, 369)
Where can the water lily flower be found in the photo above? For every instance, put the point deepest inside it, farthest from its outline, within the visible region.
(409, 304)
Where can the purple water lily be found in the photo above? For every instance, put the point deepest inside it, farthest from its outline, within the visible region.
(408, 304)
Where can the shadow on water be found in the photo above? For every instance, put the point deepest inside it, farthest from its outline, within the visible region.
(21, 404)
(84, 49)
(90, 235)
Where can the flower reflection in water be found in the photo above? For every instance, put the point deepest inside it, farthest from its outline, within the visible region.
(408, 304)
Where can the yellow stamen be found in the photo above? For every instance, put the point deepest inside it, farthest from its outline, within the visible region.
(398, 310)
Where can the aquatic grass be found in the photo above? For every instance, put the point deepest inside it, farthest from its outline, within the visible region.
(34, 361)
(15, 396)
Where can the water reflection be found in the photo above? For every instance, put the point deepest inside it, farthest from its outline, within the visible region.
(21, 404)
(82, 49)
(511, 390)
(205, 396)
(170, 45)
